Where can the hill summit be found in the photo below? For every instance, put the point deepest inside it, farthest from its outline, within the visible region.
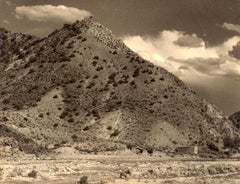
(81, 86)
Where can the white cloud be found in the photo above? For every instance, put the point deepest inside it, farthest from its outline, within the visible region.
(232, 27)
(191, 57)
(189, 41)
(49, 13)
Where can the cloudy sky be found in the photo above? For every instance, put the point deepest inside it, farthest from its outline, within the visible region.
(197, 40)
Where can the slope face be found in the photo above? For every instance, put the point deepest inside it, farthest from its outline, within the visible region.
(235, 118)
(102, 96)
(11, 46)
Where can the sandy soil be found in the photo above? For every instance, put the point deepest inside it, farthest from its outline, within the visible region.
(119, 170)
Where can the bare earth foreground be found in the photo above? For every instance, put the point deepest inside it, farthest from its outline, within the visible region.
(119, 170)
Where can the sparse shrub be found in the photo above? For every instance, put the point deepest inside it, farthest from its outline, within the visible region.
(99, 68)
(32, 174)
(133, 83)
(71, 120)
(74, 136)
(152, 80)
(231, 142)
(84, 39)
(96, 57)
(40, 115)
(31, 71)
(124, 173)
(79, 86)
(91, 85)
(65, 58)
(96, 114)
(136, 73)
(55, 96)
(71, 81)
(12, 76)
(4, 118)
(165, 96)
(72, 55)
(32, 60)
(5, 101)
(115, 133)
(212, 146)
(18, 105)
(55, 125)
(86, 128)
(150, 150)
(83, 180)
(94, 63)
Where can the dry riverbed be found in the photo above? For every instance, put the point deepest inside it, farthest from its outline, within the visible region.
(119, 170)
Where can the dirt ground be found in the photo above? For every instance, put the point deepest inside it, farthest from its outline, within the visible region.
(119, 170)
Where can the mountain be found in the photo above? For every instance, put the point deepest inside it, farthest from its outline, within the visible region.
(82, 87)
(235, 118)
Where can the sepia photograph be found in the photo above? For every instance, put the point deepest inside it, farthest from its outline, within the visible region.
(119, 91)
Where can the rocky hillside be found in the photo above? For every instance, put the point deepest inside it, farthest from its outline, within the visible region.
(82, 87)
(235, 118)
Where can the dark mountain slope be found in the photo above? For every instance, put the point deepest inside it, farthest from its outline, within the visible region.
(235, 118)
(82, 86)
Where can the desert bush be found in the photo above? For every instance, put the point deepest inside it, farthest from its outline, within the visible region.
(94, 63)
(83, 180)
(64, 58)
(86, 128)
(149, 150)
(4, 118)
(95, 76)
(91, 85)
(31, 71)
(5, 101)
(71, 81)
(71, 120)
(212, 146)
(99, 68)
(136, 73)
(96, 114)
(18, 105)
(96, 57)
(124, 173)
(115, 133)
(133, 83)
(231, 142)
(32, 174)
(84, 39)
(72, 55)
(165, 96)
(32, 60)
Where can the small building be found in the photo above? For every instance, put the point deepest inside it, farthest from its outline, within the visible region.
(190, 150)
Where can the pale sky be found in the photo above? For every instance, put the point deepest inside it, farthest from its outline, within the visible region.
(194, 39)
